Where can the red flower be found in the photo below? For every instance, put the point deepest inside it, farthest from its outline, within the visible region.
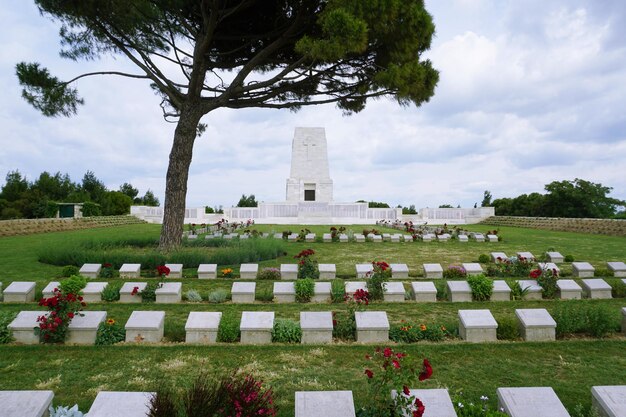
(368, 357)
(107, 265)
(387, 352)
(406, 390)
(163, 270)
(134, 291)
(427, 371)
(419, 408)
(535, 273)
(396, 364)
(70, 315)
(400, 355)
(369, 373)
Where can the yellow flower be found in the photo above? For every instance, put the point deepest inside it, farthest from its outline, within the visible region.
(422, 327)
(110, 322)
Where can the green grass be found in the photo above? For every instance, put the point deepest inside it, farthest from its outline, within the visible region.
(75, 374)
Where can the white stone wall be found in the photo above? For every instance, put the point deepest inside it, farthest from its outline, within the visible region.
(309, 165)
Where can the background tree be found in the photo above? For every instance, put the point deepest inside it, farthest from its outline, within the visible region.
(409, 210)
(129, 190)
(247, 201)
(486, 199)
(248, 53)
(148, 199)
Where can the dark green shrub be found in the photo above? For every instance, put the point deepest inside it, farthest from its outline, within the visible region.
(70, 270)
(307, 267)
(618, 289)
(269, 274)
(508, 329)
(337, 290)
(344, 326)
(265, 295)
(148, 294)
(110, 332)
(568, 258)
(454, 272)
(576, 317)
(286, 331)
(602, 272)
(517, 292)
(112, 291)
(73, 285)
(375, 280)
(228, 330)
(481, 286)
(6, 317)
(600, 321)
(305, 289)
(547, 282)
(484, 258)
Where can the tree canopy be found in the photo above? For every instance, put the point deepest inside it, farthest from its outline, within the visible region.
(203, 55)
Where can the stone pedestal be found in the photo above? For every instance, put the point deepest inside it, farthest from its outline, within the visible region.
(433, 271)
(121, 404)
(359, 238)
(399, 271)
(288, 271)
(19, 292)
(459, 291)
(477, 326)
(463, 238)
(425, 292)
(324, 403)
(23, 327)
(530, 401)
(501, 291)
(292, 237)
(395, 238)
(243, 292)
(284, 292)
(352, 286)
(26, 403)
(130, 271)
(327, 271)
(145, 326)
(472, 268)
(256, 327)
(443, 237)
(436, 401)
(321, 292)
(248, 271)
(582, 270)
(526, 255)
(618, 269)
(377, 238)
(549, 266)
(201, 327)
(327, 237)
(317, 327)
(534, 290)
(343, 238)
(92, 293)
(371, 326)
(492, 238)
(536, 324)
(90, 270)
(596, 288)
(48, 290)
(479, 237)
(169, 293)
(427, 237)
(207, 271)
(393, 292)
(83, 329)
(126, 292)
(568, 289)
(176, 270)
(310, 237)
(609, 401)
(555, 257)
(498, 256)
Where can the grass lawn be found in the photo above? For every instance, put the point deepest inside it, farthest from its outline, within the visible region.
(76, 374)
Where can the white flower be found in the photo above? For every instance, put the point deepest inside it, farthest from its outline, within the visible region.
(484, 398)
(460, 405)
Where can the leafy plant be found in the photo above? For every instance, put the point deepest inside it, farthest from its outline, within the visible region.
(218, 296)
(70, 270)
(74, 284)
(575, 317)
(454, 272)
(269, 274)
(483, 258)
(148, 294)
(409, 332)
(305, 289)
(228, 330)
(63, 306)
(508, 329)
(517, 292)
(110, 332)
(61, 411)
(618, 289)
(112, 291)
(107, 271)
(344, 326)
(568, 258)
(482, 287)
(265, 295)
(307, 267)
(547, 281)
(468, 408)
(375, 279)
(337, 290)
(193, 296)
(286, 331)
(6, 317)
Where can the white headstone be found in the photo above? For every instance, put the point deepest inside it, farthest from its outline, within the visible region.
(555, 257)
(176, 270)
(363, 269)
(498, 256)
(536, 324)
(243, 292)
(618, 268)
(256, 327)
(19, 292)
(609, 400)
(130, 271)
(83, 328)
(48, 290)
(393, 292)
(127, 290)
(527, 255)
(248, 271)
(459, 291)
(90, 270)
(327, 271)
(92, 293)
(432, 271)
(569, 289)
(534, 290)
(23, 325)
(596, 288)
(424, 291)
(309, 179)
(530, 402)
(202, 326)
(352, 286)
(26, 403)
(317, 326)
(145, 326)
(121, 404)
(321, 292)
(207, 271)
(399, 271)
(284, 292)
(437, 402)
(477, 326)
(169, 293)
(324, 403)
(288, 271)
(473, 268)
(582, 269)
(371, 326)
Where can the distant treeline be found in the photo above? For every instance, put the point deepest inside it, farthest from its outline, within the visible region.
(20, 198)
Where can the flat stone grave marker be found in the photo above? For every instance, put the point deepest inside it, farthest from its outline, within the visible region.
(609, 401)
(228, 236)
(407, 238)
(321, 292)
(169, 293)
(126, 292)
(534, 290)
(92, 293)
(582, 270)
(443, 237)
(498, 256)
(393, 292)
(427, 237)
(121, 404)
(84, 327)
(327, 237)
(256, 327)
(549, 266)
(463, 238)
(436, 401)
(459, 291)
(176, 270)
(472, 268)
(343, 238)
(278, 235)
(327, 271)
(596, 288)
(207, 271)
(371, 326)
(192, 237)
(23, 327)
(310, 237)
(536, 324)
(479, 237)
(501, 291)
(19, 292)
(433, 271)
(395, 238)
(48, 290)
(244, 236)
(527, 255)
(363, 269)
(555, 257)
(201, 327)
(377, 238)
(265, 235)
(477, 326)
(243, 292)
(618, 269)
(284, 292)
(569, 289)
(317, 327)
(26, 403)
(324, 403)
(387, 237)
(359, 238)
(292, 237)
(425, 292)
(145, 326)
(492, 238)
(130, 271)
(288, 271)
(530, 402)
(90, 270)
(352, 286)
(207, 237)
(399, 271)
(248, 271)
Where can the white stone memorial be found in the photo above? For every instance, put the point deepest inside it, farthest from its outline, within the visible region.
(395, 238)
(477, 326)
(526, 255)
(444, 237)
(19, 292)
(201, 327)
(121, 404)
(130, 271)
(399, 271)
(459, 291)
(83, 328)
(176, 270)
(362, 270)
(256, 327)
(191, 237)
(343, 238)
(145, 326)
(284, 292)
(288, 271)
(324, 404)
(568, 289)
(555, 257)
(317, 327)
(387, 237)
(492, 238)
(278, 235)
(618, 269)
(427, 237)
(243, 292)
(498, 256)
(582, 270)
(327, 271)
(437, 402)
(609, 401)
(530, 402)
(536, 324)
(248, 271)
(463, 238)
(425, 292)
(309, 179)
(23, 327)
(472, 268)
(327, 237)
(48, 290)
(92, 293)
(393, 292)
(433, 271)
(26, 403)
(377, 238)
(131, 292)
(207, 271)
(169, 293)
(90, 270)
(534, 290)
(479, 237)
(359, 238)
(371, 326)
(309, 237)
(596, 288)
(549, 266)
(321, 292)
(352, 286)
(501, 291)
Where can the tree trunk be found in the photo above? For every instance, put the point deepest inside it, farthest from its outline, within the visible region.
(177, 175)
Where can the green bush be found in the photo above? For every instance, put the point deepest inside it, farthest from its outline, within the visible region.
(265, 295)
(112, 291)
(508, 329)
(600, 321)
(305, 289)
(454, 272)
(412, 332)
(337, 290)
(148, 294)
(269, 274)
(73, 285)
(602, 272)
(568, 258)
(344, 326)
(517, 292)
(376, 279)
(70, 270)
(110, 332)
(576, 317)
(6, 317)
(193, 296)
(482, 287)
(547, 282)
(618, 289)
(286, 331)
(228, 330)
(218, 296)
(484, 258)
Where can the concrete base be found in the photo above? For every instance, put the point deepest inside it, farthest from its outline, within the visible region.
(393, 298)
(202, 327)
(477, 335)
(19, 292)
(202, 337)
(121, 404)
(92, 293)
(433, 271)
(501, 291)
(324, 403)
(256, 337)
(425, 292)
(568, 289)
(596, 288)
(530, 401)
(460, 297)
(327, 271)
(315, 337)
(207, 271)
(84, 329)
(609, 401)
(145, 326)
(371, 327)
(372, 336)
(536, 325)
(284, 298)
(25, 403)
(242, 298)
(25, 337)
(321, 292)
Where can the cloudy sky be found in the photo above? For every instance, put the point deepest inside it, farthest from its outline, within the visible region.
(530, 92)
